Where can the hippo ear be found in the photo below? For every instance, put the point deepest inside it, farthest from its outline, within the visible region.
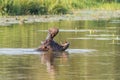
(66, 46)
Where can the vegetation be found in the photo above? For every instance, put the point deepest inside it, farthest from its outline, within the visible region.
(35, 7)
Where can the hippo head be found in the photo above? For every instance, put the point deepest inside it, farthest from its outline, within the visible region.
(50, 44)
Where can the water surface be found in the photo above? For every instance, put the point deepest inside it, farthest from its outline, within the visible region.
(94, 52)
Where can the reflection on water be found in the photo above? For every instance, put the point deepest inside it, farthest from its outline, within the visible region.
(94, 52)
(60, 66)
(48, 59)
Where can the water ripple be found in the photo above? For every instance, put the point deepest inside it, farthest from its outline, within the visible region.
(81, 30)
(20, 51)
(97, 38)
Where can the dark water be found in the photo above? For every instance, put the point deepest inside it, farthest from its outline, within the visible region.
(94, 52)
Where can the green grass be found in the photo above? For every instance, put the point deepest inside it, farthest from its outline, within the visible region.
(111, 6)
(40, 7)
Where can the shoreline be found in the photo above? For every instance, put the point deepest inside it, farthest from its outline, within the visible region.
(76, 15)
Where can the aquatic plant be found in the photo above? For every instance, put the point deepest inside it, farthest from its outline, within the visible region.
(107, 6)
(59, 9)
(5, 6)
(36, 7)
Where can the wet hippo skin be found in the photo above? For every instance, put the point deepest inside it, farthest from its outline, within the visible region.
(50, 45)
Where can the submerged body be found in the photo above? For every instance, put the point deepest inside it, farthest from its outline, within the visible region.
(50, 45)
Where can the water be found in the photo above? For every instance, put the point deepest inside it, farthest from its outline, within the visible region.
(94, 52)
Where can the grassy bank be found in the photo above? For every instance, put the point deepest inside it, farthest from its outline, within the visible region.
(36, 7)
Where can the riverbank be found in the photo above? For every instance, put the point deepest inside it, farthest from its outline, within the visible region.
(75, 15)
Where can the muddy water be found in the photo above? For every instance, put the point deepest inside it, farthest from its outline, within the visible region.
(94, 52)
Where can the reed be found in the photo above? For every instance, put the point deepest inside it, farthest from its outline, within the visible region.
(36, 7)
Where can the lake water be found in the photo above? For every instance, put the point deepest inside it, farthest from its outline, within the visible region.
(94, 52)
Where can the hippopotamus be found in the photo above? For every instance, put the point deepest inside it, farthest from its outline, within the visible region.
(50, 45)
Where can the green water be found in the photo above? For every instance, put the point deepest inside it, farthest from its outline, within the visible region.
(94, 52)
